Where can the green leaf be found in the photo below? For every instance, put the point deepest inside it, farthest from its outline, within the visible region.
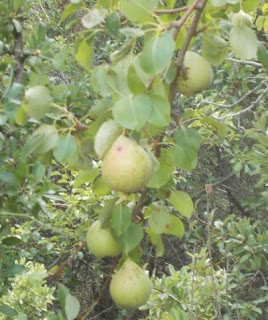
(184, 157)
(250, 5)
(159, 219)
(188, 137)
(7, 311)
(160, 115)
(120, 219)
(133, 112)
(244, 42)
(185, 153)
(156, 240)
(84, 53)
(49, 136)
(99, 81)
(214, 48)
(93, 18)
(134, 81)
(60, 58)
(112, 25)
(131, 238)
(106, 3)
(62, 295)
(37, 101)
(8, 178)
(72, 307)
(65, 148)
(85, 177)
(20, 116)
(182, 202)
(31, 145)
(70, 9)
(157, 53)
(263, 55)
(13, 270)
(100, 188)
(11, 241)
(138, 10)
(215, 124)
(176, 227)
(165, 171)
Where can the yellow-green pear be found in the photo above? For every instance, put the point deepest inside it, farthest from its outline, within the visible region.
(105, 137)
(130, 287)
(196, 74)
(126, 167)
(100, 241)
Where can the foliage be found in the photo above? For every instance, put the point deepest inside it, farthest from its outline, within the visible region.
(68, 67)
(29, 289)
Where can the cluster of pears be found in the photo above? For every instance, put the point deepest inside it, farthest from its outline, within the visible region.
(195, 75)
(126, 166)
(130, 286)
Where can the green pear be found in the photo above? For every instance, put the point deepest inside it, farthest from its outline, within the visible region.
(127, 167)
(100, 241)
(130, 287)
(196, 74)
(105, 137)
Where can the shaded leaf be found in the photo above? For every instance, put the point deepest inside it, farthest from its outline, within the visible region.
(131, 238)
(65, 148)
(11, 241)
(160, 115)
(120, 218)
(157, 53)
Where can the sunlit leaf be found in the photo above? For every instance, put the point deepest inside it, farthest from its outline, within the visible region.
(133, 112)
(182, 202)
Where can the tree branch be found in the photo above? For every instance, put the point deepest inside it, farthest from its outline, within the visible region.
(199, 5)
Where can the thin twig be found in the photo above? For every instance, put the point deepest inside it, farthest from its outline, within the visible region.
(66, 262)
(139, 205)
(209, 245)
(240, 100)
(246, 109)
(256, 64)
(88, 310)
(170, 11)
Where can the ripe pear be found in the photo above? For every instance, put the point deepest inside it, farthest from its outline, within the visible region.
(196, 75)
(100, 241)
(105, 137)
(130, 287)
(126, 167)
